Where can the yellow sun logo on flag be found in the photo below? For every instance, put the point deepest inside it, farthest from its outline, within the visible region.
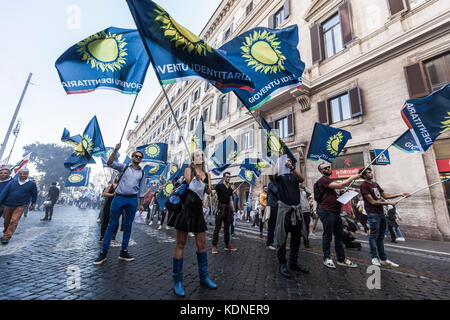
(262, 52)
(152, 150)
(260, 166)
(168, 188)
(248, 175)
(174, 168)
(154, 169)
(86, 145)
(232, 157)
(182, 37)
(104, 51)
(334, 142)
(446, 124)
(195, 144)
(75, 178)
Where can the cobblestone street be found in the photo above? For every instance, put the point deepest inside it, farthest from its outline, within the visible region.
(40, 260)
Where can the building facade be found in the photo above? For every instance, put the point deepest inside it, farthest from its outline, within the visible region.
(363, 60)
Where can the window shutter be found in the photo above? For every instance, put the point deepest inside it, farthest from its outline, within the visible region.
(291, 124)
(316, 43)
(251, 139)
(231, 28)
(355, 102)
(323, 112)
(287, 9)
(417, 81)
(346, 23)
(396, 6)
(218, 111)
(271, 21)
(225, 107)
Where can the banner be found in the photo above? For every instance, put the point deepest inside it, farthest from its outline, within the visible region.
(248, 176)
(272, 145)
(110, 59)
(255, 165)
(73, 141)
(105, 156)
(270, 58)
(327, 142)
(407, 143)
(180, 55)
(154, 152)
(78, 178)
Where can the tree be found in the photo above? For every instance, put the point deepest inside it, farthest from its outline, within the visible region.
(49, 161)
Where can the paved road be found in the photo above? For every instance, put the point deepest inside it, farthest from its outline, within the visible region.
(43, 258)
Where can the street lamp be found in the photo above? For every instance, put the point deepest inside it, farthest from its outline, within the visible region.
(15, 133)
(137, 120)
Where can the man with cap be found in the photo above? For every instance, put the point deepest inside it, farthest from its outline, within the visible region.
(130, 187)
(53, 195)
(15, 197)
(5, 178)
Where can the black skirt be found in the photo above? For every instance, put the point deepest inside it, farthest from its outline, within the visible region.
(190, 218)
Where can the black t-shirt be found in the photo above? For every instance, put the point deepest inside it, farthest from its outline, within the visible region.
(223, 193)
(288, 189)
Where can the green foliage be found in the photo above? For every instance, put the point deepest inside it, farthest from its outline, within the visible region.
(49, 161)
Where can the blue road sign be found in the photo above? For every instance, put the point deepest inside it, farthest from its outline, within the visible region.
(384, 158)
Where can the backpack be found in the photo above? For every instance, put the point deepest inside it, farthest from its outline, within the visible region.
(318, 195)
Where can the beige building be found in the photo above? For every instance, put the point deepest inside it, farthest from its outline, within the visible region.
(363, 60)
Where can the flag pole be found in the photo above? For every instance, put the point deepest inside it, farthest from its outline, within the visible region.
(129, 115)
(431, 185)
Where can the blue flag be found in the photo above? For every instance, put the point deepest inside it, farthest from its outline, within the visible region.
(272, 145)
(219, 170)
(127, 161)
(270, 58)
(227, 152)
(154, 152)
(198, 138)
(164, 194)
(105, 156)
(73, 141)
(179, 55)
(406, 143)
(327, 142)
(154, 169)
(255, 165)
(429, 117)
(110, 59)
(78, 178)
(248, 176)
(92, 138)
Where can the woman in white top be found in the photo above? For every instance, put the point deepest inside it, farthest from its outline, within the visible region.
(191, 219)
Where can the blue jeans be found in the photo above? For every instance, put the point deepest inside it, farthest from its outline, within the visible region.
(332, 224)
(117, 205)
(377, 226)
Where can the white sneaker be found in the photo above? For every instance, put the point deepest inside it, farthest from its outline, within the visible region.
(329, 263)
(150, 223)
(401, 239)
(159, 222)
(376, 262)
(167, 228)
(389, 263)
(191, 234)
(347, 263)
(160, 227)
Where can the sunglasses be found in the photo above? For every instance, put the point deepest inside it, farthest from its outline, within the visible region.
(324, 168)
(139, 157)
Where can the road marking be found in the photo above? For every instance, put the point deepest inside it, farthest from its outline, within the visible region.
(409, 248)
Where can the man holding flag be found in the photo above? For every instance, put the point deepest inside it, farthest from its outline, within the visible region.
(130, 187)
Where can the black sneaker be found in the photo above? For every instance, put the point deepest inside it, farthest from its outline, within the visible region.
(125, 256)
(101, 258)
(5, 241)
(100, 240)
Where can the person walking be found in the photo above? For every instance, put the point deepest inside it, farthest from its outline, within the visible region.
(306, 212)
(272, 202)
(263, 205)
(5, 178)
(16, 196)
(130, 187)
(224, 196)
(237, 211)
(191, 219)
(52, 196)
(108, 194)
(329, 210)
(289, 219)
(373, 203)
(314, 216)
(148, 197)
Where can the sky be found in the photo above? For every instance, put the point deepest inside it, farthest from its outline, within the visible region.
(36, 33)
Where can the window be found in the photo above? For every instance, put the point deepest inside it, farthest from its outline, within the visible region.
(247, 140)
(249, 8)
(182, 132)
(192, 124)
(340, 109)
(196, 95)
(415, 3)
(207, 86)
(239, 104)
(172, 98)
(177, 113)
(163, 126)
(228, 33)
(185, 105)
(205, 114)
(222, 108)
(159, 130)
(438, 71)
(345, 106)
(285, 126)
(169, 121)
(280, 16)
(332, 36)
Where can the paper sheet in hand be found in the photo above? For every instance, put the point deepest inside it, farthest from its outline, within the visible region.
(346, 197)
(282, 165)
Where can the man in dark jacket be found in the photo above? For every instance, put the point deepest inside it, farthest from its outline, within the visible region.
(16, 196)
(53, 195)
(272, 199)
(5, 178)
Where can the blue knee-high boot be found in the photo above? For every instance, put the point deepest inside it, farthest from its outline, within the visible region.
(178, 277)
(202, 259)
